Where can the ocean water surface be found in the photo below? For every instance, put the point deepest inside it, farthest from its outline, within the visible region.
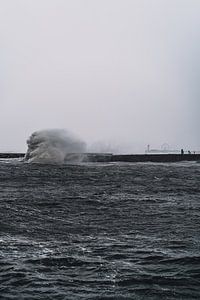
(99, 231)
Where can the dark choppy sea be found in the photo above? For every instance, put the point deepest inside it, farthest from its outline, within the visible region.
(99, 231)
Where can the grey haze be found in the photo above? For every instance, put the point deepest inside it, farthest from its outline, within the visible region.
(120, 72)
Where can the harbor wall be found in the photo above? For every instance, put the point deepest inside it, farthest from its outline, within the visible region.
(156, 157)
(12, 155)
(108, 157)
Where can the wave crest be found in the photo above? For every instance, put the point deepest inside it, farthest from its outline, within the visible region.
(53, 146)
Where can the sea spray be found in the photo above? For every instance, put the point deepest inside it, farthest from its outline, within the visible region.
(53, 146)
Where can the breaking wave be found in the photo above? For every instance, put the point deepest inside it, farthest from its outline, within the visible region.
(53, 146)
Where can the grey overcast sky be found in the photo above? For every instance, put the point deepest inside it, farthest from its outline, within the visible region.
(123, 72)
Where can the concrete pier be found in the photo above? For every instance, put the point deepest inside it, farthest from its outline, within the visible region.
(11, 155)
(109, 157)
(162, 158)
(156, 157)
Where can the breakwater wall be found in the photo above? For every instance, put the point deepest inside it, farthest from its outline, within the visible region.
(156, 157)
(109, 157)
(162, 158)
(11, 155)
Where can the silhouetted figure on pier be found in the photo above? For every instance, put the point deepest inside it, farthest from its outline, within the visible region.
(182, 151)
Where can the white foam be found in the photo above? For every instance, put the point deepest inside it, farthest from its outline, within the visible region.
(52, 146)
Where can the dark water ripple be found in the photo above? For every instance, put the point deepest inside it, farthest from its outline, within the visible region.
(107, 231)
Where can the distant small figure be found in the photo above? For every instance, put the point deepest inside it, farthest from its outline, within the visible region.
(182, 151)
(189, 152)
(194, 152)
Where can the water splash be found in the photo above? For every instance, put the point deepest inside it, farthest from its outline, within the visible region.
(53, 146)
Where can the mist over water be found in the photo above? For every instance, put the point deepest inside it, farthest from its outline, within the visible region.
(53, 146)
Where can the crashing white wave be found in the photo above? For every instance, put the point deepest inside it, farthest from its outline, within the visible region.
(53, 146)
